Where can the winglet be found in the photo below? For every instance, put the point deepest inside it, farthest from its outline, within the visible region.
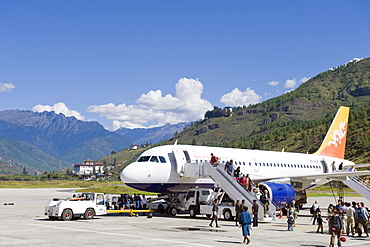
(334, 143)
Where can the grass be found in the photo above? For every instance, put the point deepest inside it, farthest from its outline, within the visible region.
(116, 187)
(108, 187)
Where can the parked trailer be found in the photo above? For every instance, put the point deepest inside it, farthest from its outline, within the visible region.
(87, 205)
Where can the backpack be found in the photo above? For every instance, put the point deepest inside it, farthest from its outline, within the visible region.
(359, 213)
(312, 210)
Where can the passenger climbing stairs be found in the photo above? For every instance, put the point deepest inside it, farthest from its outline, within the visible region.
(359, 185)
(234, 189)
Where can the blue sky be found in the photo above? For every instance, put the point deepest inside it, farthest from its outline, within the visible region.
(146, 63)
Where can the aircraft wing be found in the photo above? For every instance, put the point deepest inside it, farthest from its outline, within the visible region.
(362, 165)
(337, 175)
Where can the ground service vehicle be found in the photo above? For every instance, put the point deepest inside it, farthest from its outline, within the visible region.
(195, 201)
(82, 204)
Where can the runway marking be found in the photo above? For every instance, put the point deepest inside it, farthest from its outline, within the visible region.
(359, 243)
(120, 234)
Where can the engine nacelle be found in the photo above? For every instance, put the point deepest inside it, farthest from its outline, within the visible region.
(280, 194)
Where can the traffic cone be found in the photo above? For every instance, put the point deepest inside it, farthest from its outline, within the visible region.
(281, 214)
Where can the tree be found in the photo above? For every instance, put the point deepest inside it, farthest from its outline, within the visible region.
(25, 172)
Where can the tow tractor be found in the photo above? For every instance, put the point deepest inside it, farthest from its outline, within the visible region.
(87, 205)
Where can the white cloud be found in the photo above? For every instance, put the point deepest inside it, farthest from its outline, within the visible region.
(239, 98)
(6, 87)
(290, 83)
(304, 79)
(273, 83)
(154, 109)
(59, 108)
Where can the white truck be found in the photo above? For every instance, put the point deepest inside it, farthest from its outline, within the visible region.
(82, 204)
(87, 205)
(196, 201)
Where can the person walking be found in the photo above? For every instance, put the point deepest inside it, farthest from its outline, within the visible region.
(255, 213)
(214, 160)
(362, 217)
(237, 212)
(215, 214)
(245, 222)
(320, 223)
(350, 223)
(336, 228)
(265, 200)
(313, 209)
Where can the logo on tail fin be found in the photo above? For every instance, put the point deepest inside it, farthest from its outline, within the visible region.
(334, 143)
(338, 135)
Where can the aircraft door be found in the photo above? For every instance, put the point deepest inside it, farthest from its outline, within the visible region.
(180, 160)
(324, 166)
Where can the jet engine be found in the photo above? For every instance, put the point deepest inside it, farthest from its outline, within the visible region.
(280, 194)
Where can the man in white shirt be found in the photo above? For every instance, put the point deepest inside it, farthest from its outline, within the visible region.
(350, 223)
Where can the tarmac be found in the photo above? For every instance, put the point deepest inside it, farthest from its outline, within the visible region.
(24, 224)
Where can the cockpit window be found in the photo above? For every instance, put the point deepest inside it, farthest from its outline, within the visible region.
(154, 159)
(143, 159)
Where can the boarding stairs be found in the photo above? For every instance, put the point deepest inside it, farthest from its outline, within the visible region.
(359, 185)
(234, 189)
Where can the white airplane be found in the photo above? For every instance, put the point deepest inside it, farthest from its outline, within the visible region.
(161, 169)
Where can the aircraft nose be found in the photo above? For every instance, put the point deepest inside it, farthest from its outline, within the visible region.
(130, 174)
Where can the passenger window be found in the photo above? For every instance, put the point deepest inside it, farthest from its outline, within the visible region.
(154, 159)
(162, 159)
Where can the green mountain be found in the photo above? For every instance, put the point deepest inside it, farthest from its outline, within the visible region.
(34, 140)
(26, 156)
(296, 121)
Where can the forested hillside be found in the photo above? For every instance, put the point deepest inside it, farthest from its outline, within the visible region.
(298, 120)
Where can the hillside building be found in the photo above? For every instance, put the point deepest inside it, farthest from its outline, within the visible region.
(88, 168)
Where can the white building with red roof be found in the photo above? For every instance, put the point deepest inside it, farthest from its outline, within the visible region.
(88, 168)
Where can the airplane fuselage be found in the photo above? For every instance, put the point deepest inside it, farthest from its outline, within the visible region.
(159, 169)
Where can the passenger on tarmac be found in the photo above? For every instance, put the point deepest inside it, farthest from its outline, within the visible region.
(265, 200)
(215, 214)
(137, 200)
(336, 229)
(245, 222)
(237, 211)
(255, 213)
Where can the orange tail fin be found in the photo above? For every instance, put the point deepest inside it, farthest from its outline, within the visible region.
(334, 144)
